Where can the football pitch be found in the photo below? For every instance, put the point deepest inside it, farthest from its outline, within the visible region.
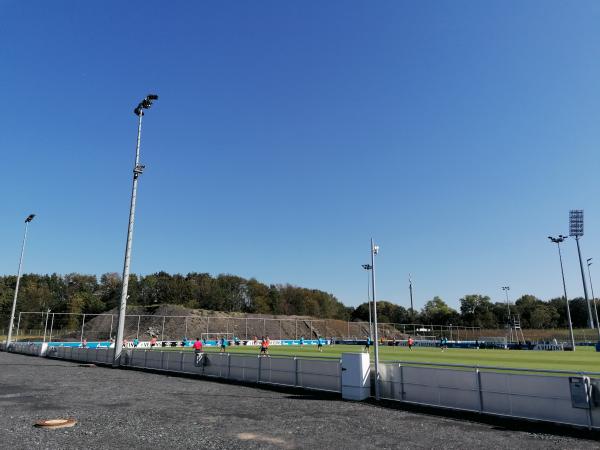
(583, 359)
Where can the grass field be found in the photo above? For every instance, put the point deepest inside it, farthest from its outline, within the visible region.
(584, 359)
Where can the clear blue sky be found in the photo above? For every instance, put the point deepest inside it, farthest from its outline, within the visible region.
(457, 134)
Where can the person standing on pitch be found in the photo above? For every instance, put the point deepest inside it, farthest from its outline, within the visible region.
(368, 344)
(410, 342)
(197, 346)
(320, 344)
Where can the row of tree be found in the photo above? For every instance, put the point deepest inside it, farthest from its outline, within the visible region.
(479, 311)
(77, 293)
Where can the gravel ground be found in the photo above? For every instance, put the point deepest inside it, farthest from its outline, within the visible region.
(132, 409)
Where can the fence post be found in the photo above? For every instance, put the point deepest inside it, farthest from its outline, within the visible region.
(228, 366)
(181, 362)
(259, 367)
(18, 325)
(185, 322)
(145, 358)
(296, 371)
(401, 382)
(479, 390)
(51, 325)
(264, 327)
(280, 331)
(111, 325)
(162, 334)
(82, 325)
(246, 328)
(296, 327)
(137, 334)
(207, 326)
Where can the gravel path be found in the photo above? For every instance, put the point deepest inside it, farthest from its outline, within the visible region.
(131, 409)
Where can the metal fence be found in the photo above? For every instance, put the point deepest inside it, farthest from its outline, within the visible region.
(316, 373)
(76, 327)
(522, 393)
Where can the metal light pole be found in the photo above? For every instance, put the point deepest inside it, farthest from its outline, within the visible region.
(137, 171)
(375, 251)
(557, 241)
(576, 230)
(506, 289)
(412, 310)
(368, 267)
(589, 263)
(14, 305)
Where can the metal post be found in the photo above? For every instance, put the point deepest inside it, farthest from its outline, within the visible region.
(375, 320)
(185, 324)
(412, 309)
(51, 327)
(246, 328)
(123, 304)
(137, 335)
(585, 293)
(46, 324)
(562, 272)
(593, 296)
(14, 305)
(207, 326)
(280, 331)
(19, 324)
(82, 325)
(369, 303)
(162, 333)
(111, 327)
(264, 327)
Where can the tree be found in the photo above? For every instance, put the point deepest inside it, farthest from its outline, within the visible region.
(477, 310)
(437, 312)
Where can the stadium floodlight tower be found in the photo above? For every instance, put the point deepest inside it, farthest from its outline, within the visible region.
(374, 252)
(146, 103)
(14, 305)
(368, 267)
(557, 241)
(506, 289)
(576, 230)
(589, 263)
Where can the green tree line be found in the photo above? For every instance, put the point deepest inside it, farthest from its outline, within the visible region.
(77, 293)
(479, 310)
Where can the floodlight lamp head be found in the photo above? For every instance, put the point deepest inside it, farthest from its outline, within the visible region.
(367, 266)
(376, 249)
(576, 222)
(152, 97)
(29, 218)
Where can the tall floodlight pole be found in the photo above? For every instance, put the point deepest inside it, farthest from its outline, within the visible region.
(412, 310)
(557, 241)
(375, 251)
(14, 305)
(368, 267)
(576, 230)
(506, 289)
(589, 263)
(137, 171)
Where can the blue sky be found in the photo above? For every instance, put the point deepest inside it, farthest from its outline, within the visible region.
(457, 134)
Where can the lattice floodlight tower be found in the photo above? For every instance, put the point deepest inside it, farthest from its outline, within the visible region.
(576, 230)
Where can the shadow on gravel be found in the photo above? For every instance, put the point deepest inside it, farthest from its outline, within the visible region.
(496, 422)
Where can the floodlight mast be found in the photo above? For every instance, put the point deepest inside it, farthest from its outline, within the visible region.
(375, 251)
(137, 171)
(368, 267)
(557, 241)
(589, 263)
(576, 230)
(14, 305)
(506, 289)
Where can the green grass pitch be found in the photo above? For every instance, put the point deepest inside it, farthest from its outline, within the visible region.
(583, 359)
